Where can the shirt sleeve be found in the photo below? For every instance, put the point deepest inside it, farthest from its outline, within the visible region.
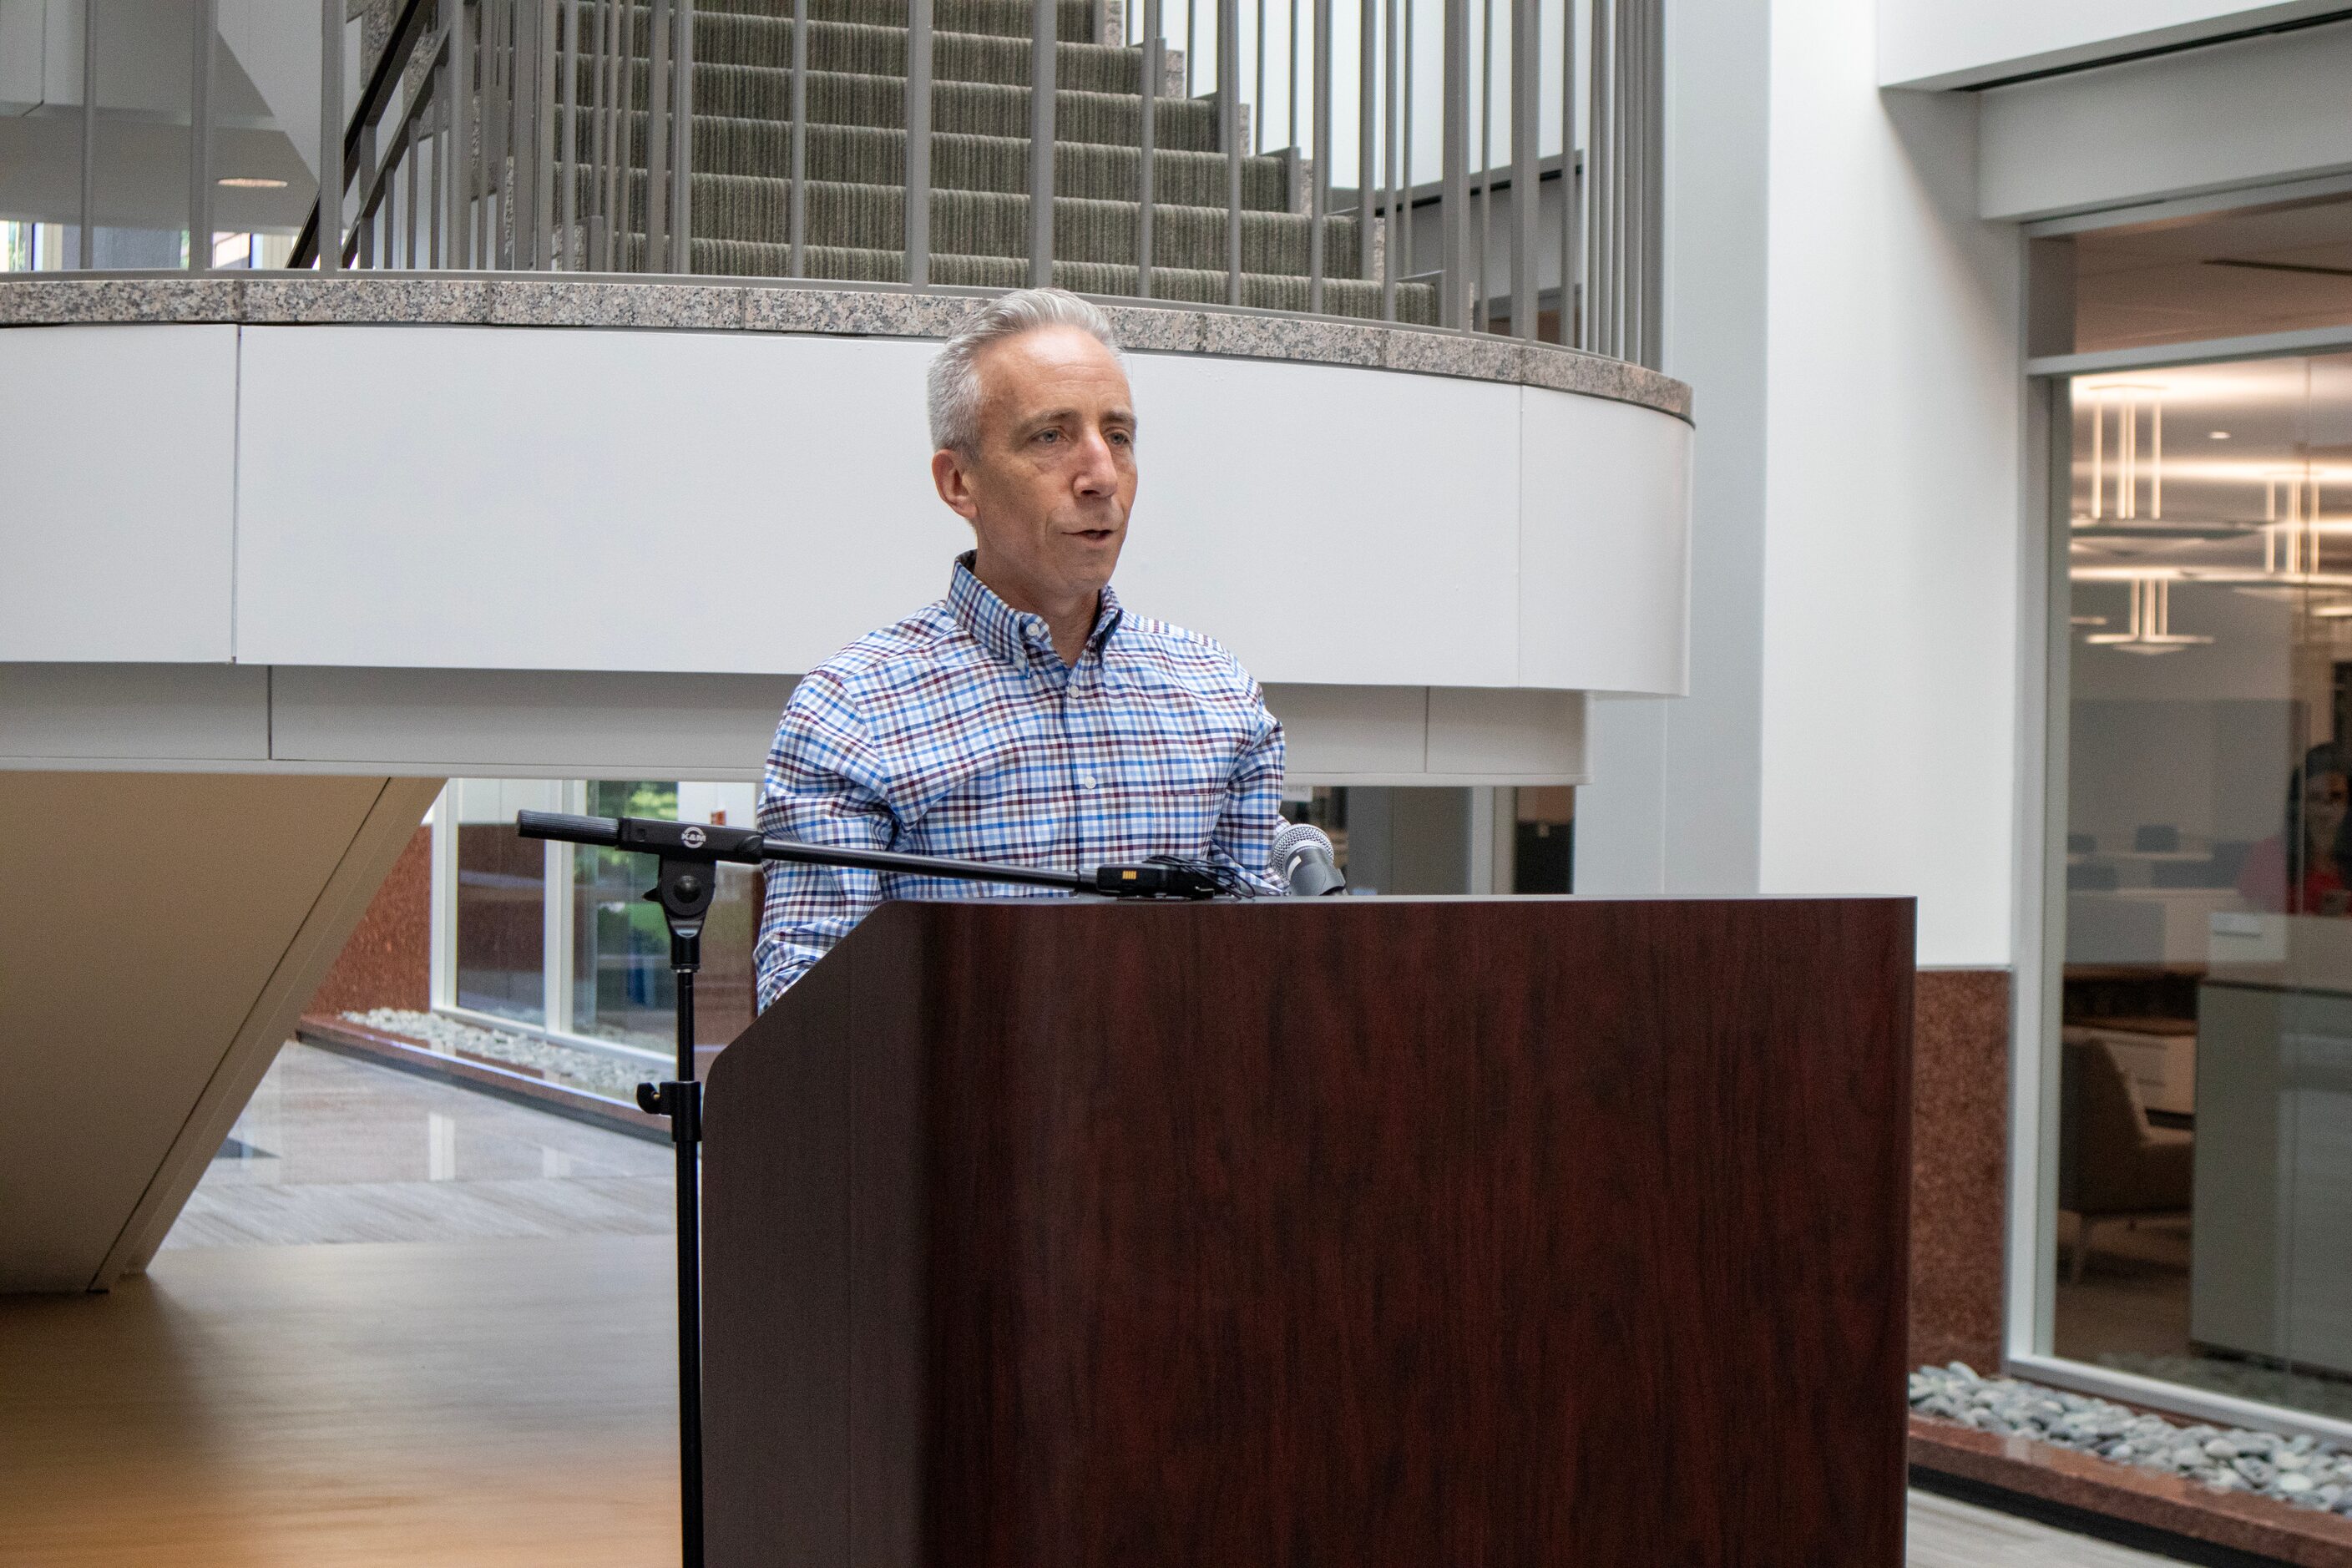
(824, 785)
(1245, 837)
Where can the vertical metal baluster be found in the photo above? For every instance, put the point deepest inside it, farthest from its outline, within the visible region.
(1597, 246)
(1404, 177)
(1290, 98)
(1045, 33)
(1482, 314)
(1654, 158)
(1229, 136)
(546, 156)
(1257, 104)
(1389, 252)
(797, 221)
(364, 219)
(919, 142)
(1154, 66)
(681, 143)
(435, 249)
(86, 243)
(1192, 42)
(1367, 101)
(598, 222)
(1527, 87)
(1571, 183)
(523, 74)
(1318, 199)
(200, 136)
(621, 198)
(496, 242)
(330, 135)
(657, 110)
(1629, 273)
(1620, 330)
(567, 160)
(1454, 200)
(461, 134)
(409, 155)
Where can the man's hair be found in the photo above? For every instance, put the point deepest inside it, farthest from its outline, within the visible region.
(954, 380)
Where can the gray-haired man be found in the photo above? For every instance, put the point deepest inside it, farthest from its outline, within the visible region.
(1025, 719)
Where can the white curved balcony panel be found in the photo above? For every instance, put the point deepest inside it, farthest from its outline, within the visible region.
(118, 492)
(484, 496)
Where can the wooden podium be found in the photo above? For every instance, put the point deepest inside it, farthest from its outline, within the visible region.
(1436, 1233)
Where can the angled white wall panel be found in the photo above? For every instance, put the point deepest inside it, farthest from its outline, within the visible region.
(116, 520)
(1604, 570)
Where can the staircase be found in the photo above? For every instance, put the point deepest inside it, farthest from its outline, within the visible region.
(979, 156)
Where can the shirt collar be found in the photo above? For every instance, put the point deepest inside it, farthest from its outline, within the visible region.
(1013, 636)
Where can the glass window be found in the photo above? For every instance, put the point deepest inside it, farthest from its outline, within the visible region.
(501, 898)
(2204, 1093)
(2263, 270)
(622, 985)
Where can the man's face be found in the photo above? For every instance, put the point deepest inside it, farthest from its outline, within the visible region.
(1049, 487)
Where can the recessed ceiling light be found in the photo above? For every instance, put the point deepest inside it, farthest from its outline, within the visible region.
(2217, 434)
(251, 183)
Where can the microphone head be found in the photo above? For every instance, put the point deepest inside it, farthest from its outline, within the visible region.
(1294, 839)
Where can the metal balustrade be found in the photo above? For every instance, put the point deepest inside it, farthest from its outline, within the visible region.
(565, 135)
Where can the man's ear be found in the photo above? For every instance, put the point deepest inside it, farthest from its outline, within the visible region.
(954, 484)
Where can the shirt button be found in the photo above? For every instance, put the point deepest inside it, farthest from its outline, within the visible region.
(1087, 781)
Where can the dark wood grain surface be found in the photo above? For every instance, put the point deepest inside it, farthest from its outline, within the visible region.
(1352, 1232)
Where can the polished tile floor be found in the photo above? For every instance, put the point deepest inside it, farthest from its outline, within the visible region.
(403, 1324)
(337, 1150)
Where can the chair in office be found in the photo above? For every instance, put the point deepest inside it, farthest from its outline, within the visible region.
(2112, 1165)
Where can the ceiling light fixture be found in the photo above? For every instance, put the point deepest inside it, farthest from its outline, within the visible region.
(2151, 623)
(251, 183)
(2217, 434)
(2125, 401)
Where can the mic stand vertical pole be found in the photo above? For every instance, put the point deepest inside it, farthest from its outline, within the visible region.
(684, 893)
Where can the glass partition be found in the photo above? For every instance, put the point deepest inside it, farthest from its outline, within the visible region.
(501, 899)
(2203, 1096)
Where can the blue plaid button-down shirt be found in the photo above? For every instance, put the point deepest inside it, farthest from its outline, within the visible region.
(959, 731)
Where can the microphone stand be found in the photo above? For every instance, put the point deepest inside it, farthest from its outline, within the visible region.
(688, 856)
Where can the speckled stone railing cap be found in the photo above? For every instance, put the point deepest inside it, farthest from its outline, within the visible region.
(766, 306)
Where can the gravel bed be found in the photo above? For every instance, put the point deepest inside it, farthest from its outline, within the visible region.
(594, 1072)
(2304, 1472)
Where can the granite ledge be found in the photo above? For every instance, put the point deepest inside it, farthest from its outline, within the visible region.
(760, 305)
(2257, 1525)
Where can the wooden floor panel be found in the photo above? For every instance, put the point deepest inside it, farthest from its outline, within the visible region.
(477, 1403)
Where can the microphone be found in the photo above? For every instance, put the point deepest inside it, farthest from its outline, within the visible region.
(1303, 858)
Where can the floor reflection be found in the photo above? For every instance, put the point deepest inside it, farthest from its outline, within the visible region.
(333, 1150)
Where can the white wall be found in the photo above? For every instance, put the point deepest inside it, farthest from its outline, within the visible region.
(1851, 328)
(1945, 43)
(1674, 806)
(1892, 494)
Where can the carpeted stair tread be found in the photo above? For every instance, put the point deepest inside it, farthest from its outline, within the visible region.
(992, 223)
(964, 108)
(1003, 18)
(1416, 302)
(865, 48)
(878, 155)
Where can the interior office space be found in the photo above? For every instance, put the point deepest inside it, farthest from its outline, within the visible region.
(1962, 406)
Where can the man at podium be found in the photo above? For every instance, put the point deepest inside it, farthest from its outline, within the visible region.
(1026, 718)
